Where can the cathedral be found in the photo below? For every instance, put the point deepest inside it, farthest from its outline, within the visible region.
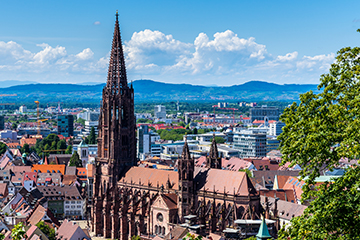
(131, 200)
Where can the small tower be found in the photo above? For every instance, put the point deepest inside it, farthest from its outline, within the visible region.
(186, 183)
(213, 160)
(263, 231)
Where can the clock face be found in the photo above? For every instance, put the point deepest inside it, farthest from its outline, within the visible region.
(159, 217)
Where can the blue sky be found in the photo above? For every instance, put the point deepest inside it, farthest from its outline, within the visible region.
(198, 42)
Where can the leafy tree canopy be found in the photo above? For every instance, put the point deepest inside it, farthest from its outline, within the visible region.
(75, 160)
(49, 232)
(91, 139)
(3, 148)
(25, 148)
(319, 131)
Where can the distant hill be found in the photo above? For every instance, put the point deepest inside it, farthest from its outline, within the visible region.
(9, 83)
(148, 90)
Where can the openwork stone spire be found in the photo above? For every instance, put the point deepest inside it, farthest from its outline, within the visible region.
(213, 160)
(117, 79)
(116, 139)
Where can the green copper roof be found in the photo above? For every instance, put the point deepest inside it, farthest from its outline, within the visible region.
(83, 144)
(263, 231)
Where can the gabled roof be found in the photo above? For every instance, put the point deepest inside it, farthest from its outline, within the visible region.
(170, 200)
(149, 175)
(41, 213)
(222, 180)
(71, 231)
(50, 168)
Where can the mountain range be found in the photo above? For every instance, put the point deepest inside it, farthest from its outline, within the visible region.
(149, 90)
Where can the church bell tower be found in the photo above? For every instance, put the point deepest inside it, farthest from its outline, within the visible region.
(116, 139)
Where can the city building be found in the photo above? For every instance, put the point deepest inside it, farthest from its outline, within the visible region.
(250, 143)
(2, 122)
(272, 144)
(133, 201)
(8, 134)
(65, 125)
(88, 115)
(160, 112)
(259, 113)
(146, 142)
(276, 128)
(23, 109)
(89, 125)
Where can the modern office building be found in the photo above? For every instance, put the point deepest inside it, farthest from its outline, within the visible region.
(89, 125)
(276, 128)
(160, 112)
(259, 113)
(146, 142)
(2, 122)
(65, 125)
(250, 144)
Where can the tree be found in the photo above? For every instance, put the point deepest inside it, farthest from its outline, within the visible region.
(49, 232)
(18, 232)
(14, 126)
(61, 145)
(91, 139)
(75, 160)
(81, 121)
(69, 150)
(321, 130)
(333, 214)
(190, 236)
(195, 131)
(25, 148)
(218, 139)
(3, 148)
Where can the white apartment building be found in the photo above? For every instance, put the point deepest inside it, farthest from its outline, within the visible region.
(160, 112)
(250, 143)
(276, 128)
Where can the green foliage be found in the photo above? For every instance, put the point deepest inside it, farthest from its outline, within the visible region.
(319, 131)
(69, 150)
(251, 238)
(190, 236)
(18, 232)
(81, 121)
(218, 139)
(325, 127)
(135, 238)
(91, 139)
(3, 148)
(173, 134)
(181, 124)
(75, 160)
(247, 171)
(49, 232)
(333, 214)
(14, 126)
(25, 148)
(144, 120)
(48, 143)
(195, 131)
(61, 145)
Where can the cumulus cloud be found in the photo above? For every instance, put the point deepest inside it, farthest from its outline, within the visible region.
(97, 23)
(224, 58)
(85, 54)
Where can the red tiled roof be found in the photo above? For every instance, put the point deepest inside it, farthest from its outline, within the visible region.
(50, 167)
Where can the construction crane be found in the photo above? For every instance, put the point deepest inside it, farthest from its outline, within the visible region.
(233, 109)
(38, 115)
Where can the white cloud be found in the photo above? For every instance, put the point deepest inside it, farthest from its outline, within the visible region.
(86, 54)
(97, 23)
(287, 57)
(223, 59)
